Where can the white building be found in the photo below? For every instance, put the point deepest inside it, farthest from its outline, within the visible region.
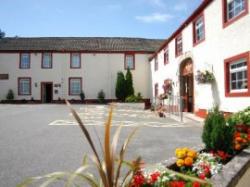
(52, 69)
(216, 37)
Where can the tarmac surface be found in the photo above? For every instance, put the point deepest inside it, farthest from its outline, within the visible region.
(40, 139)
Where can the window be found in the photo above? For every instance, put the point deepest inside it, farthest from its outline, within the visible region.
(238, 76)
(156, 62)
(46, 60)
(237, 72)
(24, 61)
(156, 89)
(233, 10)
(24, 86)
(199, 29)
(178, 45)
(75, 86)
(129, 61)
(4, 76)
(166, 56)
(75, 60)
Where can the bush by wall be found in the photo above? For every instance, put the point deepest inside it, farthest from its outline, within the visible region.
(101, 96)
(10, 95)
(217, 133)
(82, 96)
(134, 98)
(129, 83)
(120, 89)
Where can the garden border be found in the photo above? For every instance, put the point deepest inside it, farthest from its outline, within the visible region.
(232, 172)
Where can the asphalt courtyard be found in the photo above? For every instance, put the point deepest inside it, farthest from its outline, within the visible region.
(40, 139)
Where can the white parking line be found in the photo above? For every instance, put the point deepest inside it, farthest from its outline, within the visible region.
(118, 123)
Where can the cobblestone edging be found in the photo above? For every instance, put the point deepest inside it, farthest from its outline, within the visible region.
(232, 171)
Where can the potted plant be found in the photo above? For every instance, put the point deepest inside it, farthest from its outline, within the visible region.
(204, 77)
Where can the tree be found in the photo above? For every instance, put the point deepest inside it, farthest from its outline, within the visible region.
(2, 34)
(129, 83)
(120, 89)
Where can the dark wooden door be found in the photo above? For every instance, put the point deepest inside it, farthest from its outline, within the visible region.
(46, 92)
(187, 92)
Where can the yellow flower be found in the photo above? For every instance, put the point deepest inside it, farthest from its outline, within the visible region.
(192, 154)
(181, 154)
(185, 149)
(177, 151)
(180, 162)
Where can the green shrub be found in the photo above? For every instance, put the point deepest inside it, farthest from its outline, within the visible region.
(241, 117)
(120, 89)
(101, 96)
(82, 96)
(10, 95)
(129, 84)
(217, 134)
(134, 98)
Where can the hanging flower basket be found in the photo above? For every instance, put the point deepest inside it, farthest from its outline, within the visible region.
(167, 86)
(203, 77)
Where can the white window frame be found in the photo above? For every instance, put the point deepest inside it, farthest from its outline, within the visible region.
(22, 83)
(25, 64)
(47, 64)
(199, 29)
(73, 64)
(72, 89)
(235, 70)
(236, 6)
(156, 63)
(179, 45)
(166, 56)
(129, 61)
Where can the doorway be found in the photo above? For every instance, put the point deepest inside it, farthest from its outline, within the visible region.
(46, 92)
(187, 85)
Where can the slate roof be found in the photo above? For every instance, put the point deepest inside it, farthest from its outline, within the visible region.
(113, 44)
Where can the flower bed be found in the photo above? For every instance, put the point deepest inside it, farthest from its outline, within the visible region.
(223, 157)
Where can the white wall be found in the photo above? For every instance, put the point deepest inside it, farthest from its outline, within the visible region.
(220, 43)
(98, 71)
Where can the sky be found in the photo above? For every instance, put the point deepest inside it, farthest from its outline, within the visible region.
(92, 18)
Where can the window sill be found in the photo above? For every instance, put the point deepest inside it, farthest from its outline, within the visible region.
(238, 94)
(177, 55)
(24, 94)
(198, 42)
(229, 22)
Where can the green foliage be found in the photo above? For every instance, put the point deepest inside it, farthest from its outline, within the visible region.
(82, 96)
(101, 96)
(129, 83)
(134, 98)
(120, 89)
(241, 117)
(217, 134)
(10, 95)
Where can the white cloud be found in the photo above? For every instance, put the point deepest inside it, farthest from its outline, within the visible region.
(155, 17)
(181, 6)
